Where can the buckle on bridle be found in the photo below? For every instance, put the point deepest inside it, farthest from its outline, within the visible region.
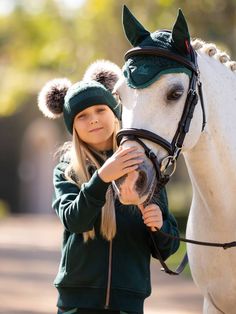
(165, 165)
(176, 152)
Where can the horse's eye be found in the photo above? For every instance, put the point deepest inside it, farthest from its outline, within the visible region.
(175, 94)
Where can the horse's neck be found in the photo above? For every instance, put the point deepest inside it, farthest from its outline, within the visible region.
(212, 162)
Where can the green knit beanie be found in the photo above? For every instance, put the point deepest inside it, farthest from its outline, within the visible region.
(86, 94)
(60, 98)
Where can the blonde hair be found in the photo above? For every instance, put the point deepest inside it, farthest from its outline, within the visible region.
(81, 159)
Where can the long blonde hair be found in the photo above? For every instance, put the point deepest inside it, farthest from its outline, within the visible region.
(81, 157)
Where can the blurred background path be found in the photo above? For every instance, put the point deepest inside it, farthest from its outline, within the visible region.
(29, 256)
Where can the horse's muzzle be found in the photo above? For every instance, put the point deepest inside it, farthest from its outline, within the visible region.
(135, 187)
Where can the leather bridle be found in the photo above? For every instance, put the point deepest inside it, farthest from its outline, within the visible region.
(175, 146)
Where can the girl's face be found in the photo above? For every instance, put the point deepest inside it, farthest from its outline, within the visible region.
(95, 126)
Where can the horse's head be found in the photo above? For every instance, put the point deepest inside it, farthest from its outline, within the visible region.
(158, 94)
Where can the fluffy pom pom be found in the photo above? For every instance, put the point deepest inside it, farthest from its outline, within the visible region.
(104, 72)
(51, 97)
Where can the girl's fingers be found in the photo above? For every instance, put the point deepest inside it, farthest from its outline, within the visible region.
(152, 208)
(130, 156)
(152, 220)
(129, 169)
(132, 162)
(152, 216)
(126, 151)
(141, 207)
(153, 229)
(152, 213)
(130, 153)
(155, 225)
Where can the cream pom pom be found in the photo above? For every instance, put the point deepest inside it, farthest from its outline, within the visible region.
(105, 72)
(51, 97)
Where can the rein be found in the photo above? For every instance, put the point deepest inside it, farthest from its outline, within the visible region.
(175, 146)
(183, 263)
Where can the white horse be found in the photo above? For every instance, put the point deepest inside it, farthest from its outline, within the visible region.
(210, 157)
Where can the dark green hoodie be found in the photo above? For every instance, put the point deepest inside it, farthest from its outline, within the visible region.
(101, 274)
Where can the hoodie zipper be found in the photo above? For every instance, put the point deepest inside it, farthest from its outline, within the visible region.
(109, 277)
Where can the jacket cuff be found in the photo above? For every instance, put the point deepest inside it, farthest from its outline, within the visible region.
(165, 226)
(162, 239)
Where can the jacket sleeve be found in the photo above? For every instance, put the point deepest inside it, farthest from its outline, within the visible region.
(166, 245)
(78, 208)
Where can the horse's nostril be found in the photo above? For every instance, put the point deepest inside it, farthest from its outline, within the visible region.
(142, 180)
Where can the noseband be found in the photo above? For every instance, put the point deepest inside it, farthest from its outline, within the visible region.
(174, 147)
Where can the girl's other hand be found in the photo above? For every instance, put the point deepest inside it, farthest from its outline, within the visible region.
(152, 216)
(123, 161)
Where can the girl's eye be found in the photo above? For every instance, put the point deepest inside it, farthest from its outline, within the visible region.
(175, 94)
(101, 109)
(81, 117)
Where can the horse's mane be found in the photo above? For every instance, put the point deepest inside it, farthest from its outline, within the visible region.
(212, 51)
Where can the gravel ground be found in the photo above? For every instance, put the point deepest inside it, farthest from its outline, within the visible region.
(29, 255)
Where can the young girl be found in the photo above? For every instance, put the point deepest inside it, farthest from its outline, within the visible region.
(105, 263)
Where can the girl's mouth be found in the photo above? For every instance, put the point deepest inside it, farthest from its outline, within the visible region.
(96, 130)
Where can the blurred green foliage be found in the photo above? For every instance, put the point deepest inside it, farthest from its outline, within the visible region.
(43, 39)
(4, 209)
(174, 260)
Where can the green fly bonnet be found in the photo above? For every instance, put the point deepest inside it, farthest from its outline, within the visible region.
(141, 71)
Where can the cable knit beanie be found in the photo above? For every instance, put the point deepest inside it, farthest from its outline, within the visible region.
(59, 97)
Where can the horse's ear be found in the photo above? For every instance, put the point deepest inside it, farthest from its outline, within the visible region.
(134, 31)
(180, 34)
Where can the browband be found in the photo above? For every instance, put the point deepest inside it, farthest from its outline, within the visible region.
(154, 51)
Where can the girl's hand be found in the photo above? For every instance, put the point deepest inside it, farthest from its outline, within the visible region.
(123, 161)
(152, 216)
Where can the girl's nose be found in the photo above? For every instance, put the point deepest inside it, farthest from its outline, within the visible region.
(94, 121)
